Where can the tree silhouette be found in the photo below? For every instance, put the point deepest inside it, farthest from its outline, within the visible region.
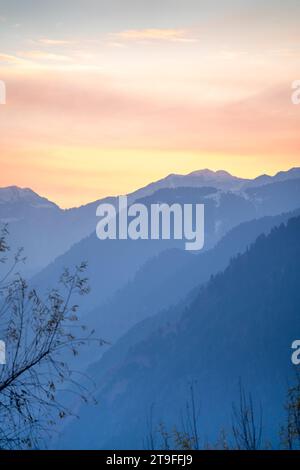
(246, 424)
(290, 432)
(38, 332)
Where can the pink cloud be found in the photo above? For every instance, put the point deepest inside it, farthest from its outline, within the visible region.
(153, 34)
(83, 110)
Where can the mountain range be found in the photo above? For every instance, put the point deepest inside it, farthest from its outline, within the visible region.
(170, 317)
(112, 264)
(239, 326)
(33, 219)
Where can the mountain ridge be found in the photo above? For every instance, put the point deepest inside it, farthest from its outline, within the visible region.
(239, 326)
(206, 175)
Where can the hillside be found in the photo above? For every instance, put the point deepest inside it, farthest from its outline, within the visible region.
(241, 325)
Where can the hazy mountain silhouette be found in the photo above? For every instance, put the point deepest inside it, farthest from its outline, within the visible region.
(46, 231)
(240, 325)
(152, 288)
(39, 226)
(149, 292)
(113, 263)
(218, 179)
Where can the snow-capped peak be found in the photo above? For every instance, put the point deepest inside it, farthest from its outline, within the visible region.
(14, 194)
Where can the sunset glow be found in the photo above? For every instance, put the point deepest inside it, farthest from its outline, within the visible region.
(104, 108)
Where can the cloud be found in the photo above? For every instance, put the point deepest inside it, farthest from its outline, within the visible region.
(54, 117)
(152, 34)
(55, 42)
(41, 55)
(118, 45)
(12, 59)
(92, 111)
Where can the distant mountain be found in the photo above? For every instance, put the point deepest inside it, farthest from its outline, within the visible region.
(240, 326)
(13, 195)
(113, 263)
(46, 231)
(152, 288)
(132, 281)
(293, 173)
(218, 179)
(39, 226)
(276, 197)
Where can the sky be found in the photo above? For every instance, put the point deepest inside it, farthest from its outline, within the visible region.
(104, 97)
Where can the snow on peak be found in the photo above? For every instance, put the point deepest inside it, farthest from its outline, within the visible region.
(14, 194)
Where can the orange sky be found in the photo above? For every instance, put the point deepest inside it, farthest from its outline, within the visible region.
(109, 113)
